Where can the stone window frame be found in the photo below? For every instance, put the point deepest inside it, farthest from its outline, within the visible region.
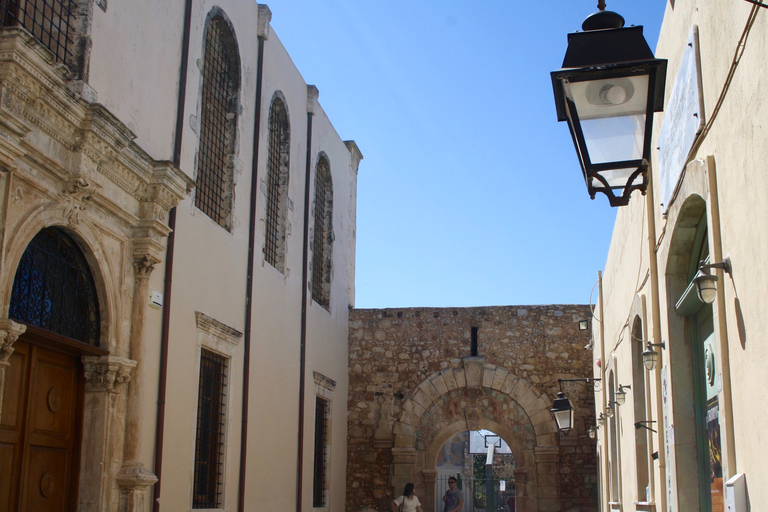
(276, 183)
(323, 234)
(324, 389)
(224, 139)
(221, 339)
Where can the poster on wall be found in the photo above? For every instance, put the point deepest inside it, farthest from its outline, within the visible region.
(715, 455)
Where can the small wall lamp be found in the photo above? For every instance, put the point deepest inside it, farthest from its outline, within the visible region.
(583, 325)
(621, 394)
(609, 411)
(650, 356)
(706, 283)
(600, 420)
(592, 432)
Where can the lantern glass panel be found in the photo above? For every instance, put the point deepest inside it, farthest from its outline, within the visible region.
(612, 114)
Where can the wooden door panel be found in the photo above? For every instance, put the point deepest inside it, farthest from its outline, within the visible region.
(39, 433)
(15, 389)
(53, 398)
(47, 480)
(8, 478)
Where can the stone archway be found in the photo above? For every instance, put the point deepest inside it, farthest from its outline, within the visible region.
(478, 395)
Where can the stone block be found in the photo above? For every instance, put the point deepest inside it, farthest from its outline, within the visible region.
(428, 389)
(548, 505)
(509, 384)
(461, 378)
(546, 492)
(473, 369)
(449, 378)
(489, 372)
(439, 384)
(499, 378)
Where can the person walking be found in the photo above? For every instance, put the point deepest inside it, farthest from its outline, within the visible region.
(408, 502)
(454, 498)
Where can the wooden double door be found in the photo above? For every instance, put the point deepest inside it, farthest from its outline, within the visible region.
(40, 429)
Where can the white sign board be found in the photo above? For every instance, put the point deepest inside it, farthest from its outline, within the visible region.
(683, 119)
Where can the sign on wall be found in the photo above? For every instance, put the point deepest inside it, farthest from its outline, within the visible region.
(683, 119)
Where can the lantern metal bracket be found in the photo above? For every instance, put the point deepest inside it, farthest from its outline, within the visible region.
(596, 383)
(642, 424)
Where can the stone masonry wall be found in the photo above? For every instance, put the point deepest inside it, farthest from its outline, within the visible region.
(391, 351)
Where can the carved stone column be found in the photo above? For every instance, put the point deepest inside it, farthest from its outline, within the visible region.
(106, 379)
(9, 333)
(134, 481)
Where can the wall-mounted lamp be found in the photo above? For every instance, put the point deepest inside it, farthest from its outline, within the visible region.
(601, 420)
(583, 325)
(650, 356)
(592, 432)
(562, 412)
(706, 283)
(562, 409)
(609, 410)
(621, 394)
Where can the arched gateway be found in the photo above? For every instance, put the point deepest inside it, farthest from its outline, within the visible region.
(477, 396)
(419, 376)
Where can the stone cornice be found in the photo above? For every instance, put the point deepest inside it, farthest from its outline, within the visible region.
(98, 161)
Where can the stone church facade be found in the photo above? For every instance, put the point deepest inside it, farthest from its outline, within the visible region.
(177, 247)
(419, 376)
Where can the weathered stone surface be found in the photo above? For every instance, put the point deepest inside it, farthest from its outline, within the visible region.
(421, 360)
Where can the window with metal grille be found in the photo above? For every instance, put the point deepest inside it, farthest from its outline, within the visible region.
(277, 185)
(218, 123)
(48, 20)
(320, 481)
(323, 234)
(54, 288)
(209, 443)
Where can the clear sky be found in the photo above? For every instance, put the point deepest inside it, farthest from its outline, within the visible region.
(470, 192)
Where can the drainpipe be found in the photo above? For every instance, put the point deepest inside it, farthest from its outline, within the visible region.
(661, 497)
(604, 476)
(263, 23)
(168, 282)
(729, 468)
(312, 94)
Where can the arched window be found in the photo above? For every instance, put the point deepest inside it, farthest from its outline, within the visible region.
(322, 243)
(219, 107)
(278, 166)
(54, 288)
(642, 435)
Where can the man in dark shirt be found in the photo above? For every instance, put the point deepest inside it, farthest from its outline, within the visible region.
(454, 498)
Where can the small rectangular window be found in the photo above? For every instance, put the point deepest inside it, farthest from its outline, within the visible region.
(209, 444)
(321, 453)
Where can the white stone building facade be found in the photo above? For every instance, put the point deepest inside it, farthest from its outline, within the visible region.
(689, 434)
(177, 247)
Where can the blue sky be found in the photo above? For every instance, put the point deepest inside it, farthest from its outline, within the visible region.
(470, 192)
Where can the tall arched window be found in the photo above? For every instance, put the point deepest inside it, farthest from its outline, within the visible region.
(54, 288)
(219, 107)
(640, 406)
(278, 166)
(322, 243)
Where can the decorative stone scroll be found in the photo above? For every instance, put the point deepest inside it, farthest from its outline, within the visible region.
(9, 333)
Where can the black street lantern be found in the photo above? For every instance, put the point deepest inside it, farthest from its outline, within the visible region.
(562, 412)
(608, 89)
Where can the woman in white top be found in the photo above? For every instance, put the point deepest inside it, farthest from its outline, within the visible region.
(408, 502)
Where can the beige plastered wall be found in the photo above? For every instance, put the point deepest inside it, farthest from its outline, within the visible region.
(729, 168)
(139, 80)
